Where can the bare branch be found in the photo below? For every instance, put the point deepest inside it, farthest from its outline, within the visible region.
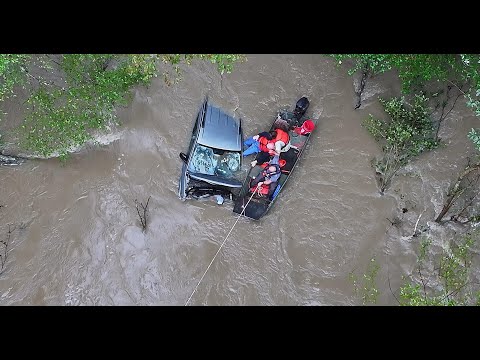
(455, 291)
(456, 190)
(459, 88)
(443, 117)
(423, 283)
(142, 214)
(389, 284)
(467, 205)
(5, 244)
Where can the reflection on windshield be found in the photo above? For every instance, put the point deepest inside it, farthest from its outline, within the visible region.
(219, 162)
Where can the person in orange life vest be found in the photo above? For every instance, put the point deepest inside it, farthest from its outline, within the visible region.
(269, 176)
(265, 155)
(258, 143)
(282, 141)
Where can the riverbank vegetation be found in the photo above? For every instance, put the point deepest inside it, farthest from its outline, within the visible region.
(409, 129)
(444, 279)
(439, 278)
(68, 97)
(461, 71)
(407, 133)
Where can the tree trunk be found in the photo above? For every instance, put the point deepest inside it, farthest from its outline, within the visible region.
(456, 191)
(361, 86)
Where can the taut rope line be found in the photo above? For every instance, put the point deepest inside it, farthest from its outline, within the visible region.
(211, 262)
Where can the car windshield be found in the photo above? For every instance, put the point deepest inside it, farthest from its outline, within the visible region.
(222, 163)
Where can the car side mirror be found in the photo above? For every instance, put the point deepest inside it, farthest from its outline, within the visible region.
(184, 157)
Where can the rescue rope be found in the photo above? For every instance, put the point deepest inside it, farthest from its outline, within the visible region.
(211, 262)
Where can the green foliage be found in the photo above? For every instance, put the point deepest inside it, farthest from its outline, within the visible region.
(412, 295)
(449, 279)
(455, 265)
(60, 118)
(11, 72)
(424, 245)
(474, 136)
(366, 288)
(63, 115)
(414, 70)
(375, 63)
(408, 133)
(224, 63)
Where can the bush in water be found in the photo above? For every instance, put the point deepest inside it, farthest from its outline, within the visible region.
(414, 70)
(70, 96)
(407, 133)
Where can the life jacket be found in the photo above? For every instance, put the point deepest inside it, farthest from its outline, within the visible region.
(282, 136)
(262, 190)
(281, 162)
(267, 174)
(263, 141)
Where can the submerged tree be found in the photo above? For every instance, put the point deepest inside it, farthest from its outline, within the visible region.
(444, 280)
(4, 247)
(407, 133)
(462, 195)
(365, 287)
(415, 70)
(142, 211)
(70, 96)
(11, 73)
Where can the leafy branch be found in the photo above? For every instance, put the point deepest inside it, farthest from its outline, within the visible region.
(406, 134)
(366, 288)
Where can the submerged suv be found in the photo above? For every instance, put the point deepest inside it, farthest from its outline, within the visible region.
(212, 165)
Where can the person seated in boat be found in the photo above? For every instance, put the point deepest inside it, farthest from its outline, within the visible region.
(282, 141)
(267, 178)
(266, 154)
(259, 143)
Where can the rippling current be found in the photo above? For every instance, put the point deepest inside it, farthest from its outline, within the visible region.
(79, 241)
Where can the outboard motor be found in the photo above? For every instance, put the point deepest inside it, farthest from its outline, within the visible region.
(301, 108)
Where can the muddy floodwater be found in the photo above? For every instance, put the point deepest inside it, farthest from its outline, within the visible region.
(78, 239)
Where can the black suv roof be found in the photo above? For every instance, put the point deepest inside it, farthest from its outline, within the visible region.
(219, 130)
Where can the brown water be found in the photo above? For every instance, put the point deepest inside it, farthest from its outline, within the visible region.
(81, 243)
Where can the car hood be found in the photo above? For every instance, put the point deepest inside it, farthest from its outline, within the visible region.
(215, 180)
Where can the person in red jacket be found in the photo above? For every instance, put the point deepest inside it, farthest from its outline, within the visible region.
(258, 143)
(280, 143)
(282, 140)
